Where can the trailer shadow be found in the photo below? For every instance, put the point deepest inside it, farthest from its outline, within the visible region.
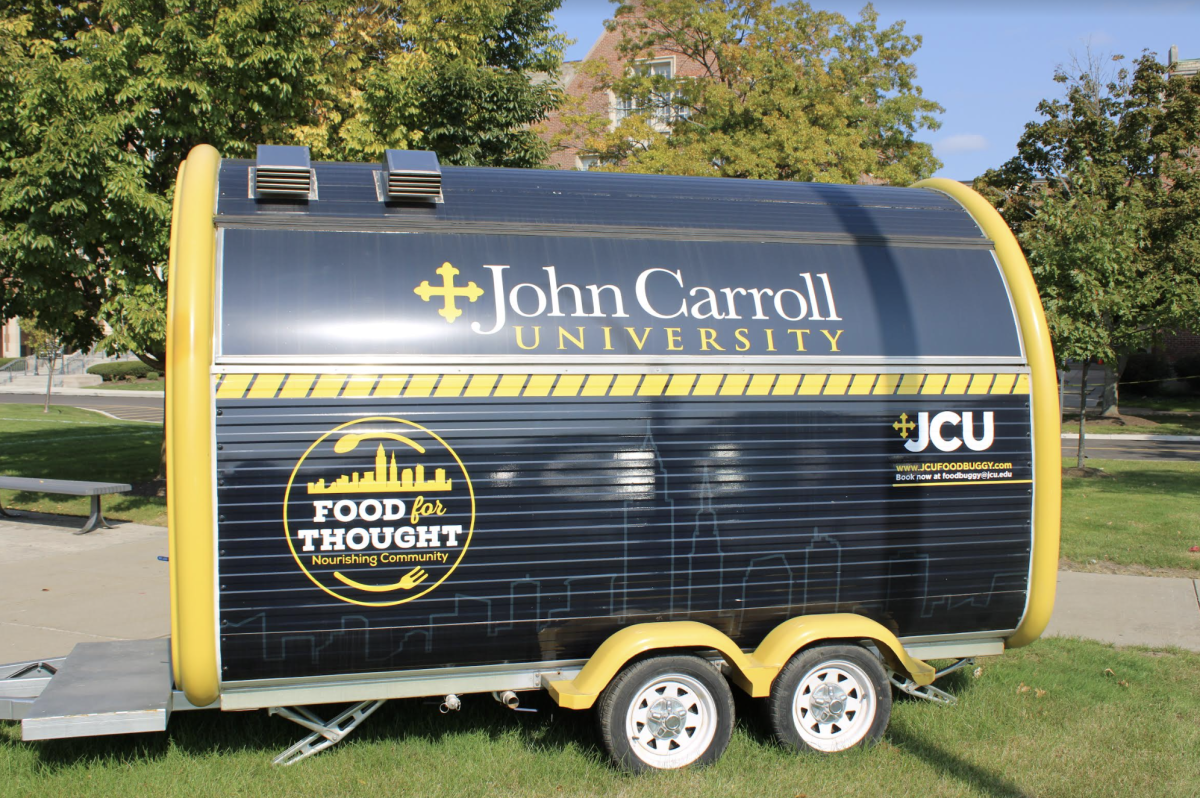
(959, 684)
(954, 766)
(200, 734)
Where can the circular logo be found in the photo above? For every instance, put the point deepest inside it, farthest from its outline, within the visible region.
(379, 511)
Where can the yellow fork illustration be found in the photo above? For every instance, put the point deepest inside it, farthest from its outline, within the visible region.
(407, 582)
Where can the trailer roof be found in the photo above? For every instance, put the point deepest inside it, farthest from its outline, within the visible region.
(513, 198)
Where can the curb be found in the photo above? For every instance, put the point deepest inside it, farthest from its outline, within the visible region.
(1074, 436)
(86, 392)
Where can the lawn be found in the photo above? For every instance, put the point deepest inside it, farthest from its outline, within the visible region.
(144, 385)
(1142, 513)
(1060, 718)
(68, 443)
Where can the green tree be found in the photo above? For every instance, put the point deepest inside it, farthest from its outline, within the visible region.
(1104, 194)
(44, 344)
(784, 92)
(100, 101)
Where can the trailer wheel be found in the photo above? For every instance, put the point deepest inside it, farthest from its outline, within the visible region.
(666, 712)
(830, 698)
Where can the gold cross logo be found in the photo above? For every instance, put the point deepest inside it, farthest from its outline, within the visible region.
(449, 292)
(904, 426)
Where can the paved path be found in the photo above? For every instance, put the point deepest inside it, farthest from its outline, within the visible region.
(1132, 447)
(1128, 610)
(57, 589)
(128, 405)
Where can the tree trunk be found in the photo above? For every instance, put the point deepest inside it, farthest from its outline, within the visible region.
(49, 381)
(1062, 394)
(1109, 401)
(1079, 455)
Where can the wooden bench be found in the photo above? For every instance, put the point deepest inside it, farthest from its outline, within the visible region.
(70, 487)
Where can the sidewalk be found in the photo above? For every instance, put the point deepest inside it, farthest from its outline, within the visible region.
(58, 589)
(1128, 610)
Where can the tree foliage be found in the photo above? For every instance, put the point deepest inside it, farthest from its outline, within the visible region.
(100, 101)
(783, 92)
(1104, 195)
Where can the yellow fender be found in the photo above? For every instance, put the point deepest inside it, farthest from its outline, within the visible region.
(754, 672)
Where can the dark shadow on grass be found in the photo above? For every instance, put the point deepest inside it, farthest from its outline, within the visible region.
(204, 733)
(1163, 480)
(954, 766)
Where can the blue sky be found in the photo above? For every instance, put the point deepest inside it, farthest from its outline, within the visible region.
(987, 63)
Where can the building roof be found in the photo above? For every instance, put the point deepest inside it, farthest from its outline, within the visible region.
(1186, 67)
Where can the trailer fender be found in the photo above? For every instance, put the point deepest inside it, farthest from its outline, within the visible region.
(754, 673)
(798, 633)
(582, 691)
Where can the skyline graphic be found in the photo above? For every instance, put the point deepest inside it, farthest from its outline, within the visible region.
(386, 478)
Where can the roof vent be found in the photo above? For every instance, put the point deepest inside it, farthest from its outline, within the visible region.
(412, 175)
(283, 172)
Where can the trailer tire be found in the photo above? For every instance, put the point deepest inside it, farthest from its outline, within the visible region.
(830, 698)
(664, 713)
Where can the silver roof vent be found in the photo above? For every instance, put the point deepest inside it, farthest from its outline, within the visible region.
(284, 172)
(412, 175)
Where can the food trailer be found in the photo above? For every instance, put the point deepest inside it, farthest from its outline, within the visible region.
(628, 439)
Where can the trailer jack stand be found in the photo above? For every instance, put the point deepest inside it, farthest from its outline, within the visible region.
(928, 691)
(323, 734)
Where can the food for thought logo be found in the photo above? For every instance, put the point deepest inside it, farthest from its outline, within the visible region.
(379, 511)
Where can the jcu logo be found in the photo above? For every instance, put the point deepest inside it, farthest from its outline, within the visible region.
(943, 430)
(379, 511)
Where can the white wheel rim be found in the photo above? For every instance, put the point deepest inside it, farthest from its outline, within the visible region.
(834, 706)
(671, 722)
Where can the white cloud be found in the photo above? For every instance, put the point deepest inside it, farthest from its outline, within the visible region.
(967, 142)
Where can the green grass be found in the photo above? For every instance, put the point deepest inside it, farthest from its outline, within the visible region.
(1111, 722)
(1168, 404)
(68, 443)
(4, 361)
(1146, 514)
(147, 385)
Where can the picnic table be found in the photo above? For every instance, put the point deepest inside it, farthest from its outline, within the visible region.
(70, 487)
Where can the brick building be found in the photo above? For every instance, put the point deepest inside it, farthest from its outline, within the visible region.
(578, 82)
(10, 339)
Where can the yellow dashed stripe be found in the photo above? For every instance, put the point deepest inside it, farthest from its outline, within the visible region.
(484, 386)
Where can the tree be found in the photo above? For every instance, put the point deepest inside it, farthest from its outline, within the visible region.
(100, 101)
(784, 92)
(1104, 194)
(44, 344)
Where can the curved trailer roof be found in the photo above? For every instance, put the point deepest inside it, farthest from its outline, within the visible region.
(532, 200)
(308, 280)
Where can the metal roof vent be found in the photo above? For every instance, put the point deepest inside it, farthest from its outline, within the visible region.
(284, 172)
(412, 175)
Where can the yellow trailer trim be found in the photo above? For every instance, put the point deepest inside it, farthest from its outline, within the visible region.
(491, 386)
(1047, 444)
(753, 672)
(169, 426)
(189, 423)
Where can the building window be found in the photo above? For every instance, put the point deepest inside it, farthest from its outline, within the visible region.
(662, 107)
(585, 163)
